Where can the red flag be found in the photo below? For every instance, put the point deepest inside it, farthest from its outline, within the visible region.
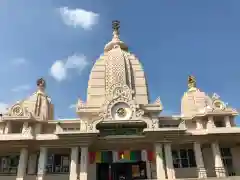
(91, 156)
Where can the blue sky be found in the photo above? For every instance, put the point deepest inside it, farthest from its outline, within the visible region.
(60, 41)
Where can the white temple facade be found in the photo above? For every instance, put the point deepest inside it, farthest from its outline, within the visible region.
(120, 134)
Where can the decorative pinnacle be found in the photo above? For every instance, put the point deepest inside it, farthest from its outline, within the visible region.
(116, 26)
(191, 82)
(41, 83)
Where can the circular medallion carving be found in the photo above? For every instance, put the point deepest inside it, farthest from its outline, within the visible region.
(121, 112)
(17, 110)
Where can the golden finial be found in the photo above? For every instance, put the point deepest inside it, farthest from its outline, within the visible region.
(41, 84)
(191, 82)
(116, 26)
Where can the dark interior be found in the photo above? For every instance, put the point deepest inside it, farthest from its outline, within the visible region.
(121, 171)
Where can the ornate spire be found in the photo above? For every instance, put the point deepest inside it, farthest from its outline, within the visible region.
(115, 42)
(191, 82)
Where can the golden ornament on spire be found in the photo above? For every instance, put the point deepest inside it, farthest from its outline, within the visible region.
(191, 82)
(116, 26)
(41, 84)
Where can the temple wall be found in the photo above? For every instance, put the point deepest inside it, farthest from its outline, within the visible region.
(7, 177)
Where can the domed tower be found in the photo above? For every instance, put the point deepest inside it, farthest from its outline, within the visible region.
(194, 101)
(116, 67)
(116, 84)
(38, 106)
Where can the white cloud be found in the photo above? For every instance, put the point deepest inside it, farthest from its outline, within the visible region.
(60, 68)
(24, 87)
(3, 107)
(19, 61)
(78, 17)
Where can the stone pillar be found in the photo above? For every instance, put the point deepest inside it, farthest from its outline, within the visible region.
(32, 163)
(199, 160)
(42, 163)
(210, 122)
(84, 164)
(199, 124)
(22, 165)
(218, 163)
(74, 163)
(148, 166)
(227, 121)
(169, 162)
(8, 127)
(115, 156)
(160, 171)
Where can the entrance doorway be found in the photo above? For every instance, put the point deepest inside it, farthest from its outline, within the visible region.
(121, 171)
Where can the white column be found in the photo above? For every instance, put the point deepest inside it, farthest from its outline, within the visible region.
(115, 156)
(8, 127)
(160, 171)
(22, 165)
(169, 161)
(148, 167)
(210, 122)
(218, 163)
(74, 163)
(227, 121)
(83, 163)
(199, 124)
(199, 160)
(32, 163)
(42, 163)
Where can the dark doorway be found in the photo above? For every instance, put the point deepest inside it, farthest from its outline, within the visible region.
(121, 171)
(103, 171)
(129, 170)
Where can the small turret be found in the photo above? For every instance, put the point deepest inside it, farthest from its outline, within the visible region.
(193, 100)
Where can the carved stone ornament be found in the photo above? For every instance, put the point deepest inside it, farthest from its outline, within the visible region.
(121, 109)
(215, 96)
(218, 104)
(119, 90)
(80, 103)
(139, 113)
(17, 110)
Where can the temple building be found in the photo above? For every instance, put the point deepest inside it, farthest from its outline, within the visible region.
(119, 133)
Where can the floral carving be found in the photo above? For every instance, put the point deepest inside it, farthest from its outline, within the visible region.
(139, 113)
(119, 90)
